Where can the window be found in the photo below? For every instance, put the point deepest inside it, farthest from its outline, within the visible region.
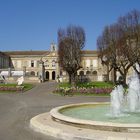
(19, 64)
(87, 63)
(95, 63)
(61, 73)
(37, 63)
(47, 63)
(53, 63)
(32, 63)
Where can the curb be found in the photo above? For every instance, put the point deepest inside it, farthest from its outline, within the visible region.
(43, 123)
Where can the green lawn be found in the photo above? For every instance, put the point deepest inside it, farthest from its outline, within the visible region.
(88, 84)
(27, 86)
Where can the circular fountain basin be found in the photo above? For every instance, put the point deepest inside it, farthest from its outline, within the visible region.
(95, 116)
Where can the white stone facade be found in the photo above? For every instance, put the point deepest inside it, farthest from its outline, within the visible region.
(44, 65)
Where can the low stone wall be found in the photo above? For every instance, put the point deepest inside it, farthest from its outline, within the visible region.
(26, 79)
(11, 88)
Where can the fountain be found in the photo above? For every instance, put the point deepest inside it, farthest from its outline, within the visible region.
(122, 114)
(117, 99)
(134, 94)
(131, 99)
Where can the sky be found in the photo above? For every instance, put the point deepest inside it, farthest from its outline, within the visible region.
(33, 24)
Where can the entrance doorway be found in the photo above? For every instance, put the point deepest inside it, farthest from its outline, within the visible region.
(47, 75)
(53, 75)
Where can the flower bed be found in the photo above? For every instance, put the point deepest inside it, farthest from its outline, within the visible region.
(87, 88)
(11, 88)
(93, 90)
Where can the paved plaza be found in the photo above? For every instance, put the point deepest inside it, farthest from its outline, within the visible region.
(17, 109)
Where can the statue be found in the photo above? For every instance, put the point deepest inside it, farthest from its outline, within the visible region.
(20, 81)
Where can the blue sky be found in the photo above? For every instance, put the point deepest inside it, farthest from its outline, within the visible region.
(33, 24)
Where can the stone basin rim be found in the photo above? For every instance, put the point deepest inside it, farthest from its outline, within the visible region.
(56, 115)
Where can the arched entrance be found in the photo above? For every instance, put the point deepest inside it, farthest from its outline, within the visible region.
(32, 73)
(53, 75)
(81, 73)
(81, 76)
(47, 75)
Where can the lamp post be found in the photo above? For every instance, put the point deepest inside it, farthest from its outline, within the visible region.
(105, 60)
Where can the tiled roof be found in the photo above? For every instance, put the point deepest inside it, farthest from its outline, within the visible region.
(4, 54)
(89, 52)
(42, 52)
(26, 52)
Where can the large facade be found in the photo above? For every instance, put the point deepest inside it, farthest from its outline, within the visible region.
(44, 65)
(4, 61)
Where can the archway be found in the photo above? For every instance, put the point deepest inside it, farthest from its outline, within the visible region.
(81, 73)
(88, 73)
(53, 75)
(32, 73)
(47, 75)
(94, 72)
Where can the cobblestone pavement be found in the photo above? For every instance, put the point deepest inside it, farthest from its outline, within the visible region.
(17, 109)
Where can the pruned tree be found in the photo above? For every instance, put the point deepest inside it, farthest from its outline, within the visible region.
(130, 25)
(107, 45)
(70, 43)
(120, 44)
(114, 50)
(102, 47)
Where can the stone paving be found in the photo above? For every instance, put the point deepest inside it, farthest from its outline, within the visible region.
(44, 124)
(17, 109)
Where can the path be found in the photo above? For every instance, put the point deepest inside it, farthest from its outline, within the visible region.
(17, 109)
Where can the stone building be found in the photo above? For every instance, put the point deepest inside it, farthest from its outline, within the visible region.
(43, 65)
(4, 61)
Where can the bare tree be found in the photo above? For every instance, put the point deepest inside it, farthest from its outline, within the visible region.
(70, 43)
(111, 47)
(130, 25)
(107, 45)
(120, 44)
(102, 54)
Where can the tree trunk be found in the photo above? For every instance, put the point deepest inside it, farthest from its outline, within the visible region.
(138, 73)
(69, 78)
(124, 77)
(73, 80)
(114, 76)
(107, 78)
